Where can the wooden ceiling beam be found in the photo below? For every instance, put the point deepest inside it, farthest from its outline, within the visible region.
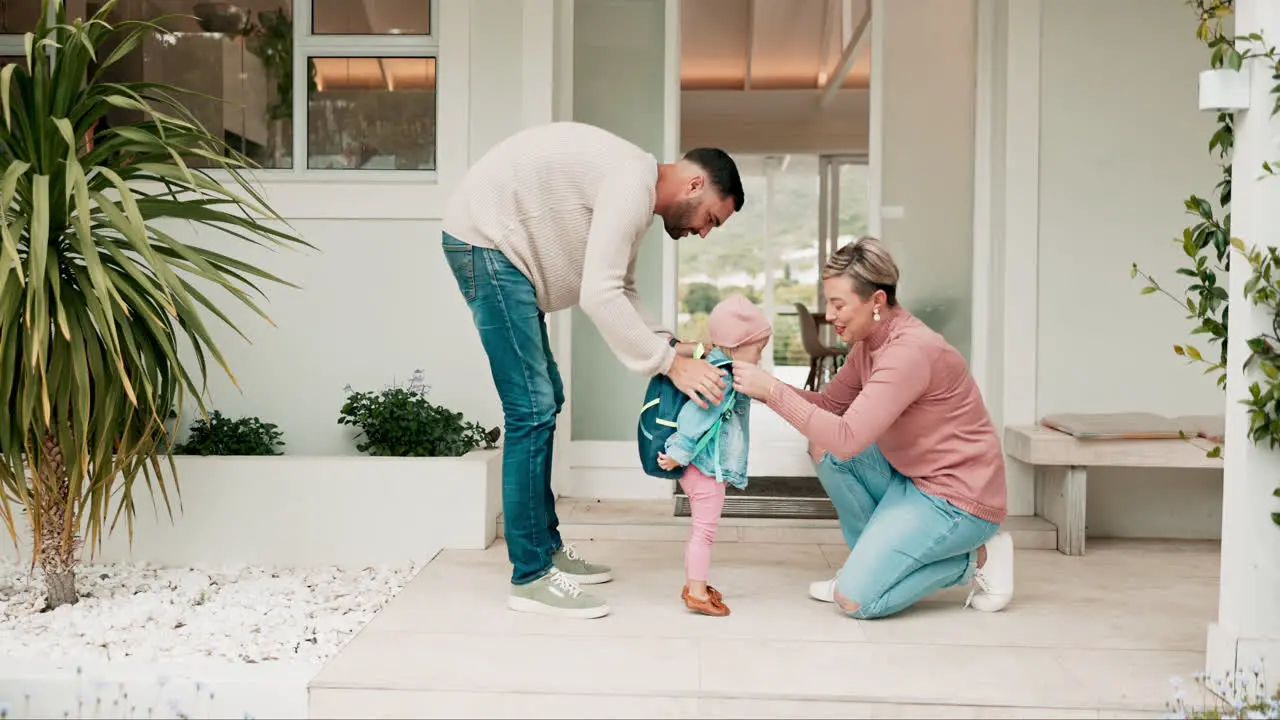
(852, 47)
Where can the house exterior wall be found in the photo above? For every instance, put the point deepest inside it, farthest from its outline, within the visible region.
(924, 167)
(378, 300)
(619, 85)
(1122, 144)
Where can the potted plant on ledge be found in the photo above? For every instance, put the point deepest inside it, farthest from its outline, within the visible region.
(1225, 86)
(220, 436)
(432, 455)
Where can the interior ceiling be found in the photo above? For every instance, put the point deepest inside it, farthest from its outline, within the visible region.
(771, 44)
(393, 74)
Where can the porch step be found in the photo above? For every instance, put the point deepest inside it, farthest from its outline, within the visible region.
(585, 519)
(339, 702)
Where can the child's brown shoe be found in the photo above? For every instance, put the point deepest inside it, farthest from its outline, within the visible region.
(712, 604)
(711, 592)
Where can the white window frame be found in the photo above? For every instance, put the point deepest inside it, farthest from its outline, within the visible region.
(307, 45)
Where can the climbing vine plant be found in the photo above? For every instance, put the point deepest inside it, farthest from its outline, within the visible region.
(1207, 243)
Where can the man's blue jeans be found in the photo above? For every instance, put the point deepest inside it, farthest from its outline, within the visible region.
(513, 332)
(904, 543)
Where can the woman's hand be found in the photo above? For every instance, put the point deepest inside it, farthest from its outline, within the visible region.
(753, 382)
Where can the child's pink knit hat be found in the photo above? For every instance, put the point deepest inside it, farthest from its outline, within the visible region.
(736, 321)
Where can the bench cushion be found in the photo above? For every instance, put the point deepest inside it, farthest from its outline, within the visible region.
(1114, 426)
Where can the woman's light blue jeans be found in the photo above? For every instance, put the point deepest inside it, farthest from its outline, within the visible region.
(904, 544)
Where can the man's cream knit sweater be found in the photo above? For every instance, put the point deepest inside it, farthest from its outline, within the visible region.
(568, 204)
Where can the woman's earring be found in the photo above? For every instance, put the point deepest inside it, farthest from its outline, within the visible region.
(875, 314)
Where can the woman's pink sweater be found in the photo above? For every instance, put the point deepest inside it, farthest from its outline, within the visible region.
(907, 390)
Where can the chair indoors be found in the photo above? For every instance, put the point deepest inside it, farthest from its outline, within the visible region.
(824, 360)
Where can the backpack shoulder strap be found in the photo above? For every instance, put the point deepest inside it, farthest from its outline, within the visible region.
(713, 433)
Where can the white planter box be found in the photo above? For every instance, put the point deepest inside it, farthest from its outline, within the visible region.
(1224, 89)
(314, 511)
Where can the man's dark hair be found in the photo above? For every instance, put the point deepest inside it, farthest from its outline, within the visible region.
(721, 170)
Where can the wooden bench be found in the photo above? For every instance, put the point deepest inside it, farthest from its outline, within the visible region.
(1063, 461)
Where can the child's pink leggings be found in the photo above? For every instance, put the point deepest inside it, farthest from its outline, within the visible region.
(706, 500)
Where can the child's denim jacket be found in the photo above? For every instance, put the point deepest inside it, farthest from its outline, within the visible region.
(694, 422)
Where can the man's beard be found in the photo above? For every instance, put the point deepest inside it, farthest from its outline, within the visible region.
(680, 225)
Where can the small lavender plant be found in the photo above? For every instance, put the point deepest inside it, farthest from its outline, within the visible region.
(1241, 695)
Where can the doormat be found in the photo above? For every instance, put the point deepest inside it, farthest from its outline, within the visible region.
(771, 497)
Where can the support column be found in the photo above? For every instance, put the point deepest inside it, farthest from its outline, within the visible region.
(538, 62)
(1016, 248)
(1248, 628)
(768, 252)
(546, 70)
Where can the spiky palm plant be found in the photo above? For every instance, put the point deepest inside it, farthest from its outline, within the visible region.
(96, 297)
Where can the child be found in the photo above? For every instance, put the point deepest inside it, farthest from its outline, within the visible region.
(740, 331)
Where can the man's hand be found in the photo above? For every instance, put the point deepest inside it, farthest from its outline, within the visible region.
(699, 379)
(666, 462)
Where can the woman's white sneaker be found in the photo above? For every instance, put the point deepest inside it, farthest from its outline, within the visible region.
(993, 582)
(823, 590)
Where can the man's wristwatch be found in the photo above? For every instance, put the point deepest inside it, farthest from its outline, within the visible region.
(699, 350)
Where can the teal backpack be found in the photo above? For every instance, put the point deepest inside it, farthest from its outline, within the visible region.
(662, 404)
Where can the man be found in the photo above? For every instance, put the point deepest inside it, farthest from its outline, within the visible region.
(550, 218)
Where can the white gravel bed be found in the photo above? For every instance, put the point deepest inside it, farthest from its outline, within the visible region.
(239, 614)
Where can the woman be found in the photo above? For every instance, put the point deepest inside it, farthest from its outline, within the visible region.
(912, 461)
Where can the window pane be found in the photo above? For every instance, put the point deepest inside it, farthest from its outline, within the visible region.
(372, 114)
(371, 17)
(18, 16)
(219, 53)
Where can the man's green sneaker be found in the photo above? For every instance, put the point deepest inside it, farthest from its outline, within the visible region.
(568, 561)
(556, 594)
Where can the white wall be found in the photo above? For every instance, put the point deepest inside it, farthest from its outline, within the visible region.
(377, 299)
(619, 85)
(496, 75)
(926, 146)
(1122, 144)
(377, 302)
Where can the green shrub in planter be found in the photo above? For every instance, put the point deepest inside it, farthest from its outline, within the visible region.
(220, 435)
(400, 422)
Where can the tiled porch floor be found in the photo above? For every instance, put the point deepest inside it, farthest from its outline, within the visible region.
(1092, 636)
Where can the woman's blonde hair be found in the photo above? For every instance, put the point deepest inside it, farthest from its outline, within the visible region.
(869, 265)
